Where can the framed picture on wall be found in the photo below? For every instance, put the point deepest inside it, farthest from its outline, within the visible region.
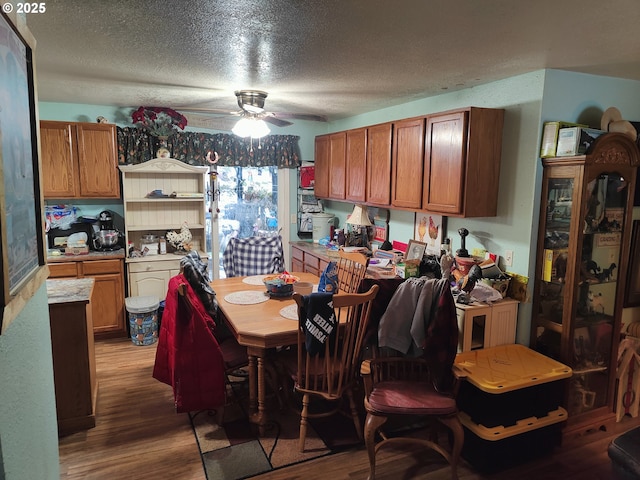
(21, 218)
(415, 250)
(430, 229)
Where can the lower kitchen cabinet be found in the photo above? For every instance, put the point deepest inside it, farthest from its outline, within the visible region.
(305, 259)
(108, 299)
(151, 278)
(72, 348)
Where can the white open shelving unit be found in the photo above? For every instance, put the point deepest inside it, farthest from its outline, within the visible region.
(149, 275)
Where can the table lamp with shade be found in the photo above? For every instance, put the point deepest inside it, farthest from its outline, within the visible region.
(359, 220)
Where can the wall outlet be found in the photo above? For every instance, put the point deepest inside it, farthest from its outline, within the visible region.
(508, 258)
(294, 219)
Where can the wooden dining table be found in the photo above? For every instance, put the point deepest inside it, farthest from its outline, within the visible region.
(260, 327)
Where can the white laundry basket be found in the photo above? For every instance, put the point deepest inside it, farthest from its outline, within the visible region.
(143, 319)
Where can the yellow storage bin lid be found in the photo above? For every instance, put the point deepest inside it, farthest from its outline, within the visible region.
(509, 367)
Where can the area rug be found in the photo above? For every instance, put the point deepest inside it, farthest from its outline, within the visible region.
(234, 451)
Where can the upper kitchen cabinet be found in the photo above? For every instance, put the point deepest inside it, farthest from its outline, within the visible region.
(379, 139)
(356, 164)
(462, 162)
(407, 163)
(79, 160)
(330, 166)
(321, 167)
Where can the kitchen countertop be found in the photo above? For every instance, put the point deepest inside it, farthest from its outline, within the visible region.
(316, 249)
(70, 291)
(92, 255)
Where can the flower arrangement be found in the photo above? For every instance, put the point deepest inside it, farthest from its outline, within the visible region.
(158, 121)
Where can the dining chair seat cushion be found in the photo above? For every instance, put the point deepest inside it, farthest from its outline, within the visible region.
(409, 398)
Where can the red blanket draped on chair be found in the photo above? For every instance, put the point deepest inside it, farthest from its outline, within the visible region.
(188, 356)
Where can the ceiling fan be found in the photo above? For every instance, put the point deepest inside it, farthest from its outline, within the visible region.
(251, 103)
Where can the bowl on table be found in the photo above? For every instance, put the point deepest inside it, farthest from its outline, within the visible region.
(280, 285)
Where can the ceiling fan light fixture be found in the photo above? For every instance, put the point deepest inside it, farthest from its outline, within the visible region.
(251, 127)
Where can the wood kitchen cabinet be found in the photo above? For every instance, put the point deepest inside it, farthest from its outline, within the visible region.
(462, 162)
(321, 167)
(356, 165)
(304, 258)
(445, 163)
(407, 163)
(107, 304)
(79, 160)
(330, 166)
(379, 138)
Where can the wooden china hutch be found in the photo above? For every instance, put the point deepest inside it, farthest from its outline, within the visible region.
(582, 260)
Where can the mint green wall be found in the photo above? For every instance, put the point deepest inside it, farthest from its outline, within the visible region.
(28, 426)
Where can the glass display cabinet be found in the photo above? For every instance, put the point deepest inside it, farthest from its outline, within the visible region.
(583, 248)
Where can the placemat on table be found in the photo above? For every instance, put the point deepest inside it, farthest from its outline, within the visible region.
(247, 297)
(290, 312)
(254, 280)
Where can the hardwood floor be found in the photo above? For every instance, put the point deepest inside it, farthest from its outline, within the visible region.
(139, 435)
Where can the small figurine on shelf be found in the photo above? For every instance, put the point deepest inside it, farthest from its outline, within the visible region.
(607, 273)
(589, 271)
(468, 283)
(596, 302)
(181, 242)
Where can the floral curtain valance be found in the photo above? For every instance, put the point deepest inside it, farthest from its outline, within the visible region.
(137, 146)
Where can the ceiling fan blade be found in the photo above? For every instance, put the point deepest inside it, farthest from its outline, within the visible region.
(214, 111)
(301, 116)
(276, 121)
(212, 123)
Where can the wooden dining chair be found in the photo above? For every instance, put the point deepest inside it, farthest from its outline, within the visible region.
(421, 389)
(332, 373)
(352, 268)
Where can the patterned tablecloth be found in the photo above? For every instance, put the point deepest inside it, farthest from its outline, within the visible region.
(247, 297)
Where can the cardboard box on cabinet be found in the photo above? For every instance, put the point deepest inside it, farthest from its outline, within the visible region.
(576, 140)
(550, 137)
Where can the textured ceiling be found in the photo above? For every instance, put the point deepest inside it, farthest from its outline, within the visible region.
(331, 57)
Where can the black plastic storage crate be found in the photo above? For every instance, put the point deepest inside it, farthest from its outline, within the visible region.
(492, 449)
(508, 383)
